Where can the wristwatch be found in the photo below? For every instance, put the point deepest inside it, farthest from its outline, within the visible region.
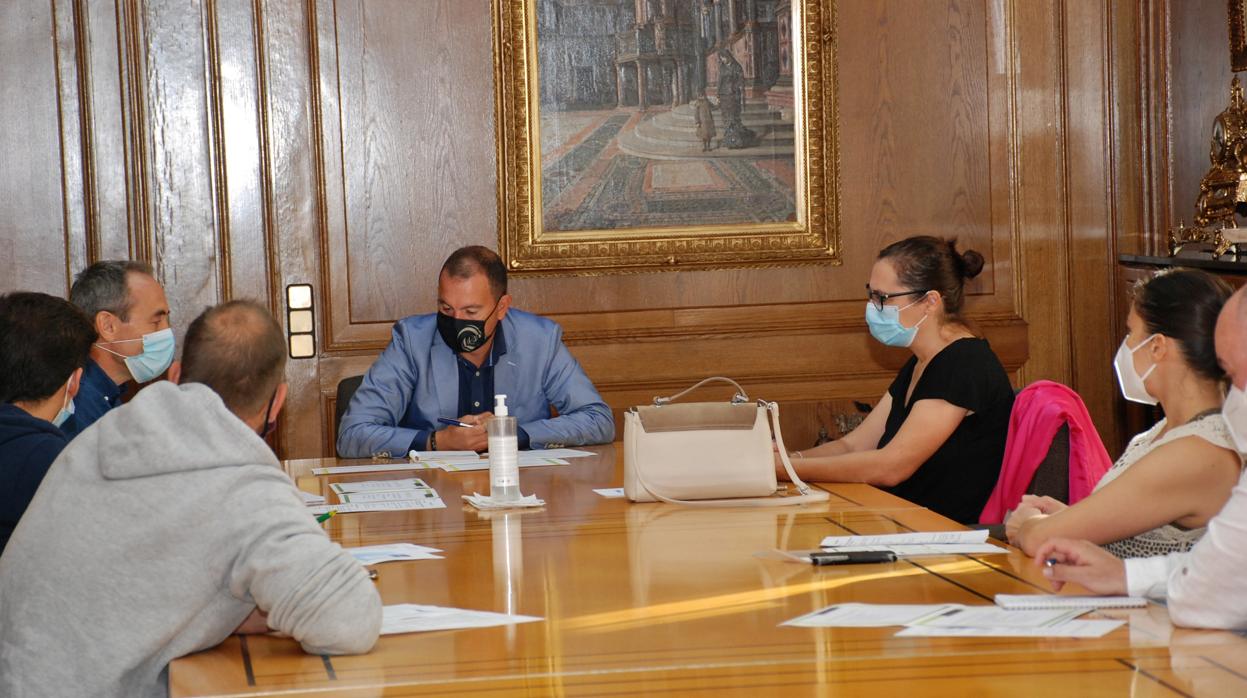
(433, 441)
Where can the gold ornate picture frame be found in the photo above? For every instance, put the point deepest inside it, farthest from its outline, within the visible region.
(1238, 35)
(640, 135)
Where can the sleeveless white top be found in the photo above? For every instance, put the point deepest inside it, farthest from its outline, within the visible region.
(1169, 538)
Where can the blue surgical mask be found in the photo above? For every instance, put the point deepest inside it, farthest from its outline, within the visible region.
(885, 325)
(156, 357)
(66, 412)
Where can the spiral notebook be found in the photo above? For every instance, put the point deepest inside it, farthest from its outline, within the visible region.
(1015, 602)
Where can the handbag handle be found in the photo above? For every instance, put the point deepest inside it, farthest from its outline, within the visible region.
(740, 397)
(808, 495)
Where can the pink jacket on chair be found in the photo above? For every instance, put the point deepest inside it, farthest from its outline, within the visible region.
(1038, 412)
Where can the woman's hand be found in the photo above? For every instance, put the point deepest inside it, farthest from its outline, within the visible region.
(1045, 504)
(1013, 524)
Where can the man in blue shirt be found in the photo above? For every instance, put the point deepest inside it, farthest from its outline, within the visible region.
(128, 309)
(43, 345)
(450, 364)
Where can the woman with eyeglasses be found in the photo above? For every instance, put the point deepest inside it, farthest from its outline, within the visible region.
(1158, 497)
(937, 437)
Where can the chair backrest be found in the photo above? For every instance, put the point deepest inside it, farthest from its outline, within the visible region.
(1051, 478)
(346, 390)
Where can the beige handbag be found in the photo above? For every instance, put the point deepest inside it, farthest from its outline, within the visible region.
(707, 453)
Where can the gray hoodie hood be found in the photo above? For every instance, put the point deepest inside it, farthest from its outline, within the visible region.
(185, 423)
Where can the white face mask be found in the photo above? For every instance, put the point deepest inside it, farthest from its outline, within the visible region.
(1234, 412)
(1131, 382)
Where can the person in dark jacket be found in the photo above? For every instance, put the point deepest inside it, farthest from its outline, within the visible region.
(44, 342)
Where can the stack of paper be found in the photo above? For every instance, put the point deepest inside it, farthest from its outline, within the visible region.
(383, 495)
(393, 552)
(311, 499)
(916, 544)
(481, 501)
(415, 618)
(937, 620)
(525, 460)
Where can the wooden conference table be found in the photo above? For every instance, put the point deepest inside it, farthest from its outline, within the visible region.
(654, 599)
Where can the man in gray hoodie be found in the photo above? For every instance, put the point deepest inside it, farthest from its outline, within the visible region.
(163, 528)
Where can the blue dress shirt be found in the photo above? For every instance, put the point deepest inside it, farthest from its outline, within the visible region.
(97, 394)
(418, 379)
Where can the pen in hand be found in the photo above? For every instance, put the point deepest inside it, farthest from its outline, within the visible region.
(454, 422)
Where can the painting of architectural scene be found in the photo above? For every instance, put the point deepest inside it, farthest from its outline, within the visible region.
(665, 113)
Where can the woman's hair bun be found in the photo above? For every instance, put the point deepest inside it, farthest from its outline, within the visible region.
(972, 263)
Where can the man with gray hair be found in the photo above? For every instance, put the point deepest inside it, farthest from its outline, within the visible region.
(127, 306)
(1207, 587)
(169, 525)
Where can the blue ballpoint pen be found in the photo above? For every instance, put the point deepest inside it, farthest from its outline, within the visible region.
(454, 422)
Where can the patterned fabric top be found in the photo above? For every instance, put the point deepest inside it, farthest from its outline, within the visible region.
(1168, 538)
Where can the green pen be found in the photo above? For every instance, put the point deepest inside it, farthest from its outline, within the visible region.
(326, 516)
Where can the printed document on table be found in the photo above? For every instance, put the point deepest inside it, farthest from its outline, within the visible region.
(524, 461)
(442, 455)
(358, 507)
(415, 618)
(379, 485)
(391, 496)
(393, 552)
(311, 499)
(996, 617)
(868, 615)
(1073, 628)
(611, 492)
(374, 468)
(557, 453)
(923, 550)
(919, 538)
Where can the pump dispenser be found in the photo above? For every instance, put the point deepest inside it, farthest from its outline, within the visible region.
(504, 471)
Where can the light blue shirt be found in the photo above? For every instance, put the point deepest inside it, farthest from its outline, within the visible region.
(415, 381)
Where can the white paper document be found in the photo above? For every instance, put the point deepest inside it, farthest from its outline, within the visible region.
(392, 496)
(311, 499)
(611, 492)
(359, 507)
(997, 617)
(374, 468)
(924, 550)
(1025, 601)
(919, 538)
(524, 461)
(393, 552)
(867, 615)
(415, 456)
(416, 618)
(379, 485)
(558, 453)
(1073, 628)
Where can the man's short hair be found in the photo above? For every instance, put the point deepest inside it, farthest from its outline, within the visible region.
(237, 349)
(43, 340)
(466, 262)
(103, 286)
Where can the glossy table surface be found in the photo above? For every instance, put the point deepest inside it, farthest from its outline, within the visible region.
(659, 599)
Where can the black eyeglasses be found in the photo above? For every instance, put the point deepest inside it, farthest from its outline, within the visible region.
(878, 298)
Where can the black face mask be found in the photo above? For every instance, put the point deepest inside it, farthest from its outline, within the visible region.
(464, 336)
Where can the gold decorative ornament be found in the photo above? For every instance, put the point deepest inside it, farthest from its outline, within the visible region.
(1223, 189)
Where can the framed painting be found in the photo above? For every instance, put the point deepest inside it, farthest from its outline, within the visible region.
(665, 134)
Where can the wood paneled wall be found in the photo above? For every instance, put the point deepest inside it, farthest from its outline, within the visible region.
(243, 145)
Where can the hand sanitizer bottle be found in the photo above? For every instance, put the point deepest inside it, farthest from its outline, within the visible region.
(504, 471)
